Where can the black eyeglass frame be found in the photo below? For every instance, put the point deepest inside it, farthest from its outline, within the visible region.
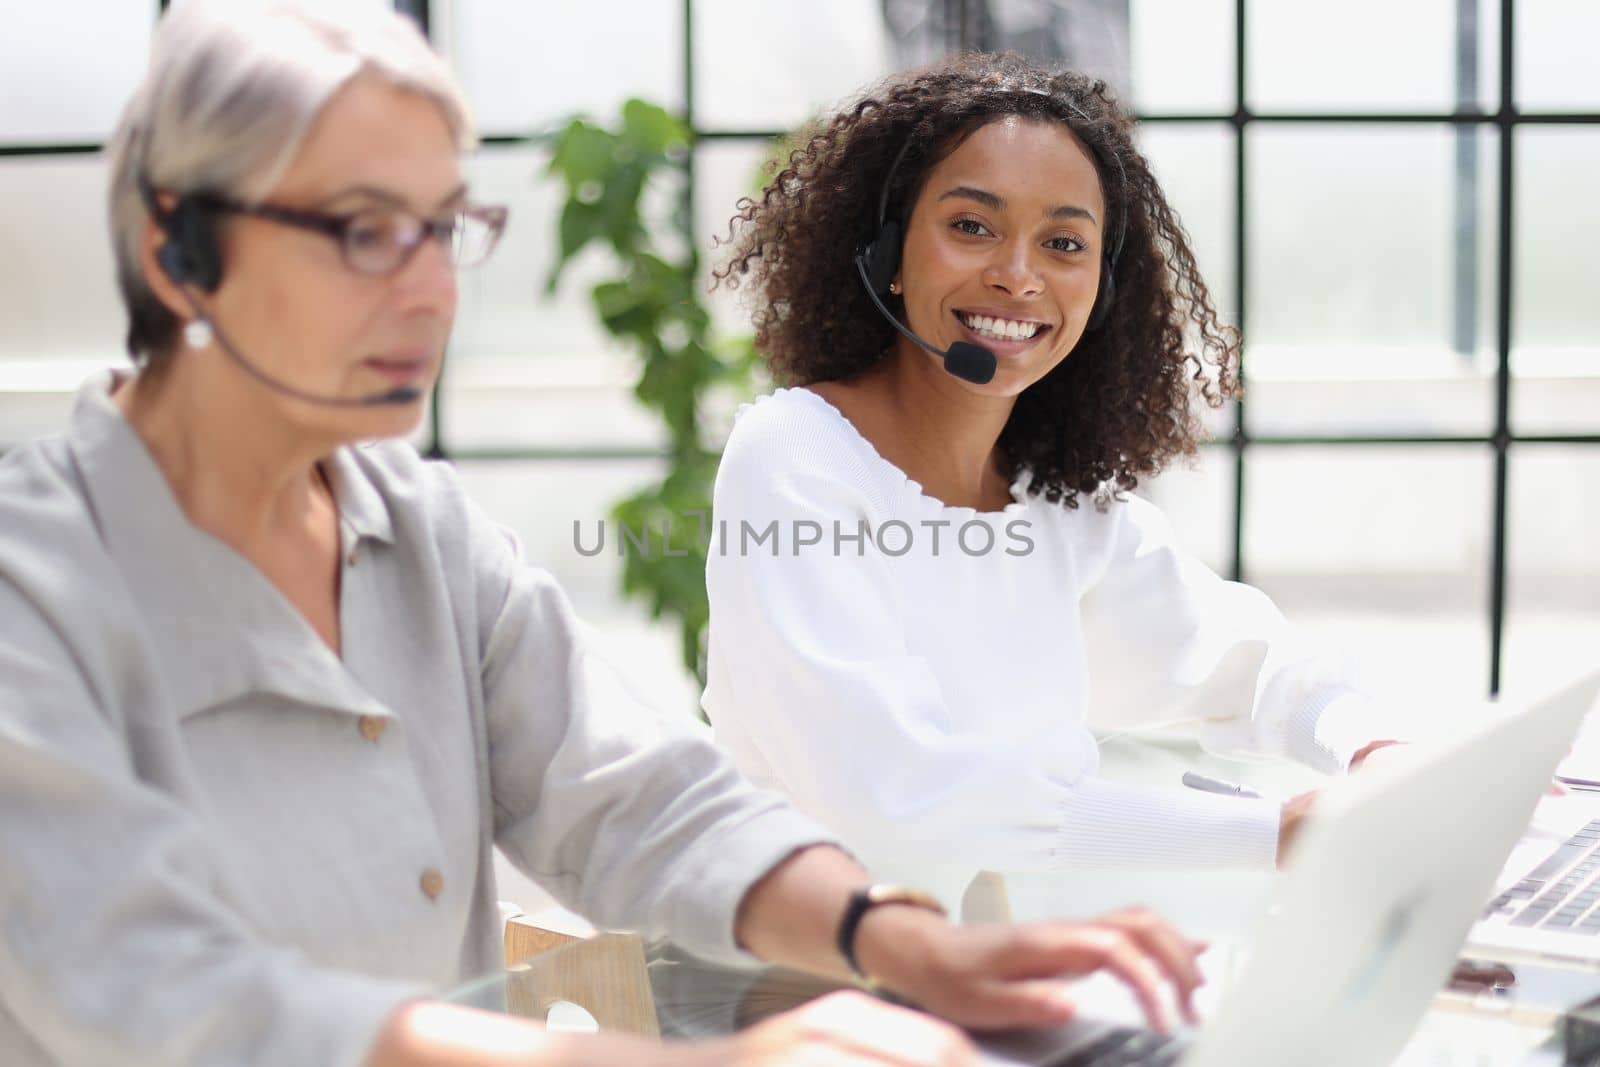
(337, 226)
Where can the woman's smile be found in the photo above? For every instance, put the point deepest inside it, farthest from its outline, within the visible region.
(1003, 333)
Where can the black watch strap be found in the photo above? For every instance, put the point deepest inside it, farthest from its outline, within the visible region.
(864, 900)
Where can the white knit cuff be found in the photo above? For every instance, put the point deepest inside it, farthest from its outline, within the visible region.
(1121, 824)
(1328, 730)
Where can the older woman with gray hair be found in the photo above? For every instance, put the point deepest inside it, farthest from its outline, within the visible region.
(269, 700)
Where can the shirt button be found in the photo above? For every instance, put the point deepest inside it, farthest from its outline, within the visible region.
(350, 559)
(431, 883)
(372, 726)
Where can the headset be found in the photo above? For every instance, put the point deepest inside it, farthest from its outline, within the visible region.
(191, 255)
(878, 260)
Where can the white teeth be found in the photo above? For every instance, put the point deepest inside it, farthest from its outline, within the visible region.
(1002, 329)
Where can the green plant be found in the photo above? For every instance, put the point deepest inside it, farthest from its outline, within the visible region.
(654, 303)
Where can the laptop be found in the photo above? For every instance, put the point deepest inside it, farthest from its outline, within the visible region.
(1383, 885)
(1546, 909)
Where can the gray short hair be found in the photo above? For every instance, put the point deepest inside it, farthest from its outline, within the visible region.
(232, 90)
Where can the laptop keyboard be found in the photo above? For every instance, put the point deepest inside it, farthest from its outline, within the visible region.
(1121, 1046)
(1566, 903)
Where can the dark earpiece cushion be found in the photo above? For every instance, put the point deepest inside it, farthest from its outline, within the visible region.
(190, 255)
(883, 256)
(170, 256)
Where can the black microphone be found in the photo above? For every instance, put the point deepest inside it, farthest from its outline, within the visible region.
(967, 361)
(403, 394)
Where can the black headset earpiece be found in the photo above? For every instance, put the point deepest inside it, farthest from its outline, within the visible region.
(171, 258)
(879, 259)
(190, 254)
(882, 255)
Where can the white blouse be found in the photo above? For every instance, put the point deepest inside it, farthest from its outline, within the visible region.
(924, 679)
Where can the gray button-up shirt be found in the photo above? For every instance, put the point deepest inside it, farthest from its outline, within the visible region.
(222, 844)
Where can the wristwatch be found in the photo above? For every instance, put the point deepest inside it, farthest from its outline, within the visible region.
(864, 900)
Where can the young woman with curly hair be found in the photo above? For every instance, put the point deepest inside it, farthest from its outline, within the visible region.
(930, 578)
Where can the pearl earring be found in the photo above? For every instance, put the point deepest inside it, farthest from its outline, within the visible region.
(894, 287)
(197, 333)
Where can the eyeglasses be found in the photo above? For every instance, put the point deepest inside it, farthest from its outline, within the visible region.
(383, 240)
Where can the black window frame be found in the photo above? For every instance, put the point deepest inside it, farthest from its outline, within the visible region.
(1506, 119)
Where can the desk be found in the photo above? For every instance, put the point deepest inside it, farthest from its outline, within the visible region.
(695, 999)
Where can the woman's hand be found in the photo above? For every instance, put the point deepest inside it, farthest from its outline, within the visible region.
(1361, 756)
(1557, 789)
(1290, 818)
(996, 976)
(838, 1030)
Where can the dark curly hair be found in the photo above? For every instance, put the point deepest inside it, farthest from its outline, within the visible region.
(1123, 403)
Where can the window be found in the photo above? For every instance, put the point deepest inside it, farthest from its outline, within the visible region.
(1390, 196)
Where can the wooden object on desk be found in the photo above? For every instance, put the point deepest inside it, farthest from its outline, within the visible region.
(604, 974)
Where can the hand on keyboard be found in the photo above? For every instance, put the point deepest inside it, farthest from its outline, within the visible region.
(994, 977)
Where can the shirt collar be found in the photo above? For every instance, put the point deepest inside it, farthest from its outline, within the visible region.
(221, 629)
(362, 509)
